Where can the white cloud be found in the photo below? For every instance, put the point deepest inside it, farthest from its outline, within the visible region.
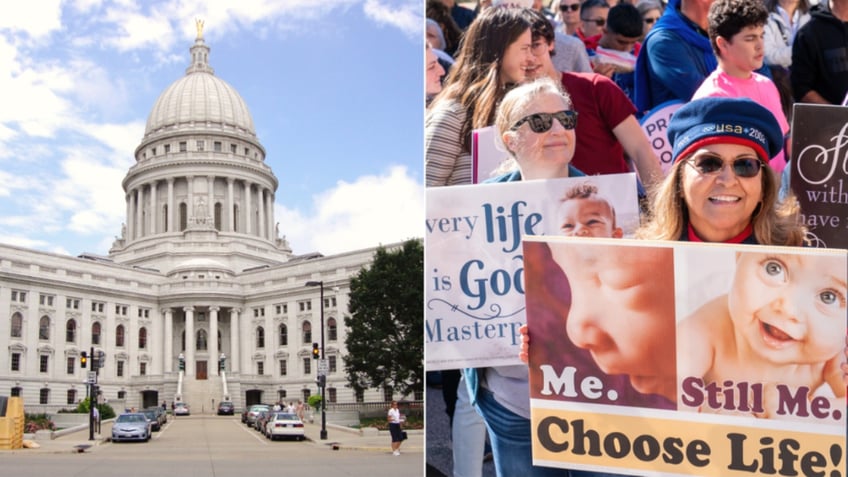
(36, 19)
(406, 17)
(372, 210)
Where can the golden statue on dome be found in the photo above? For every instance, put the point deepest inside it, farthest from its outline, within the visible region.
(199, 24)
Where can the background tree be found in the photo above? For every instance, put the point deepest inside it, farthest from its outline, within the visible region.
(385, 341)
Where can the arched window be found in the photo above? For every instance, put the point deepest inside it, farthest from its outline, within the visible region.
(183, 216)
(332, 330)
(165, 217)
(284, 335)
(201, 340)
(307, 332)
(218, 210)
(142, 338)
(71, 331)
(119, 335)
(235, 218)
(44, 328)
(17, 325)
(260, 337)
(95, 333)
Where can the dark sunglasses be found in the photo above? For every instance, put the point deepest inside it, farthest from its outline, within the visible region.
(597, 21)
(573, 8)
(743, 167)
(542, 122)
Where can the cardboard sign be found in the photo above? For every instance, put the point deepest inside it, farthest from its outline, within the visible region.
(655, 125)
(675, 358)
(474, 285)
(820, 171)
(487, 153)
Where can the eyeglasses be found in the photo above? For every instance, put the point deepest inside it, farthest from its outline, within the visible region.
(542, 122)
(573, 8)
(597, 21)
(650, 21)
(742, 167)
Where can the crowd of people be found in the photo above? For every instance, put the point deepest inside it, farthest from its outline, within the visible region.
(565, 82)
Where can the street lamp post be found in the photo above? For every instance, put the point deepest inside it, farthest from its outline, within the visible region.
(323, 382)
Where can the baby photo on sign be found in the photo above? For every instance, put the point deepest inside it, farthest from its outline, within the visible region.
(763, 333)
(601, 321)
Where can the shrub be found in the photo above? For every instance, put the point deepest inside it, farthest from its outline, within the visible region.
(314, 402)
(37, 422)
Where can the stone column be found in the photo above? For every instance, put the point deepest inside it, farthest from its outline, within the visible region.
(128, 223)
(153, 208)
(169, 225)
(247, 209)
(231, 225)
(168, 355)
(190, 201)
(189, 341)
(139, 207)
(272, 230)
(214, 352)
(260, 199)
(210, 198)
(235, 353)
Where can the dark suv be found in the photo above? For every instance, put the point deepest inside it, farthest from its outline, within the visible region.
(226, 408)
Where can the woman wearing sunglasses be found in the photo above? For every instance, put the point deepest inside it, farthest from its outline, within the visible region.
(536, 123)
(718, 189)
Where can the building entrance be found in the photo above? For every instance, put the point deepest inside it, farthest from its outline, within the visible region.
(201, 370)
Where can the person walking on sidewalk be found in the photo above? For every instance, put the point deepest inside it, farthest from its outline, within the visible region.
(394, 428)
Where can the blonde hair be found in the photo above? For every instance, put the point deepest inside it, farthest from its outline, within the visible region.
(774, 223)
(514, 105)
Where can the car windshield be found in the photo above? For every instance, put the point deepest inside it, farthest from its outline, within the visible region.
(286, 417)
(130, 418)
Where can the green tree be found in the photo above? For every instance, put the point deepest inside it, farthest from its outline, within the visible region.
(385, 339)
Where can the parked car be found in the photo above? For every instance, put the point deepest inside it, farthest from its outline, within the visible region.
(181, 409)
(261, 419)
(226, 408)
(283, 424)
(249, 416)
(161, 416)
(150, 414)
(131, 427)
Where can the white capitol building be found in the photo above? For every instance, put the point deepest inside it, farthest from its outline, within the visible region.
(199, 270)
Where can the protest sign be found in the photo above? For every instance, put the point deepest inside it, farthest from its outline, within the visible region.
(658, 358)
(487, 153)
(474, 290)
(820, 171)
(655, 126)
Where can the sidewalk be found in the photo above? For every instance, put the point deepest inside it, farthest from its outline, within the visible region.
(345, 438)
(339, 438)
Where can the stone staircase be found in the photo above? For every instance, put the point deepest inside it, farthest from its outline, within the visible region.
(203, 396)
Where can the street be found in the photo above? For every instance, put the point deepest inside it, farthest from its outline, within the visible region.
(215, 447)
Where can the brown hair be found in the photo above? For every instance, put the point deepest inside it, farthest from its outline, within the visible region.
(475, 80)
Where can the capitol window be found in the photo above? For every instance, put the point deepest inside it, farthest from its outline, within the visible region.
(19, 296)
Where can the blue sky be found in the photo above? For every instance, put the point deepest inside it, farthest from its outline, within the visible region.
(335, 88)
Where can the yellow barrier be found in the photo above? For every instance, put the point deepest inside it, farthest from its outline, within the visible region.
(12, 425)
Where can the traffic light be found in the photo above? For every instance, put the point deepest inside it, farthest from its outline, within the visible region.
(83, 359)
(222, 364)
(321, 381)
(316, 353)
(182, 363)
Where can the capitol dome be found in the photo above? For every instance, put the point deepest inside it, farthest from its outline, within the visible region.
(198, 101)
